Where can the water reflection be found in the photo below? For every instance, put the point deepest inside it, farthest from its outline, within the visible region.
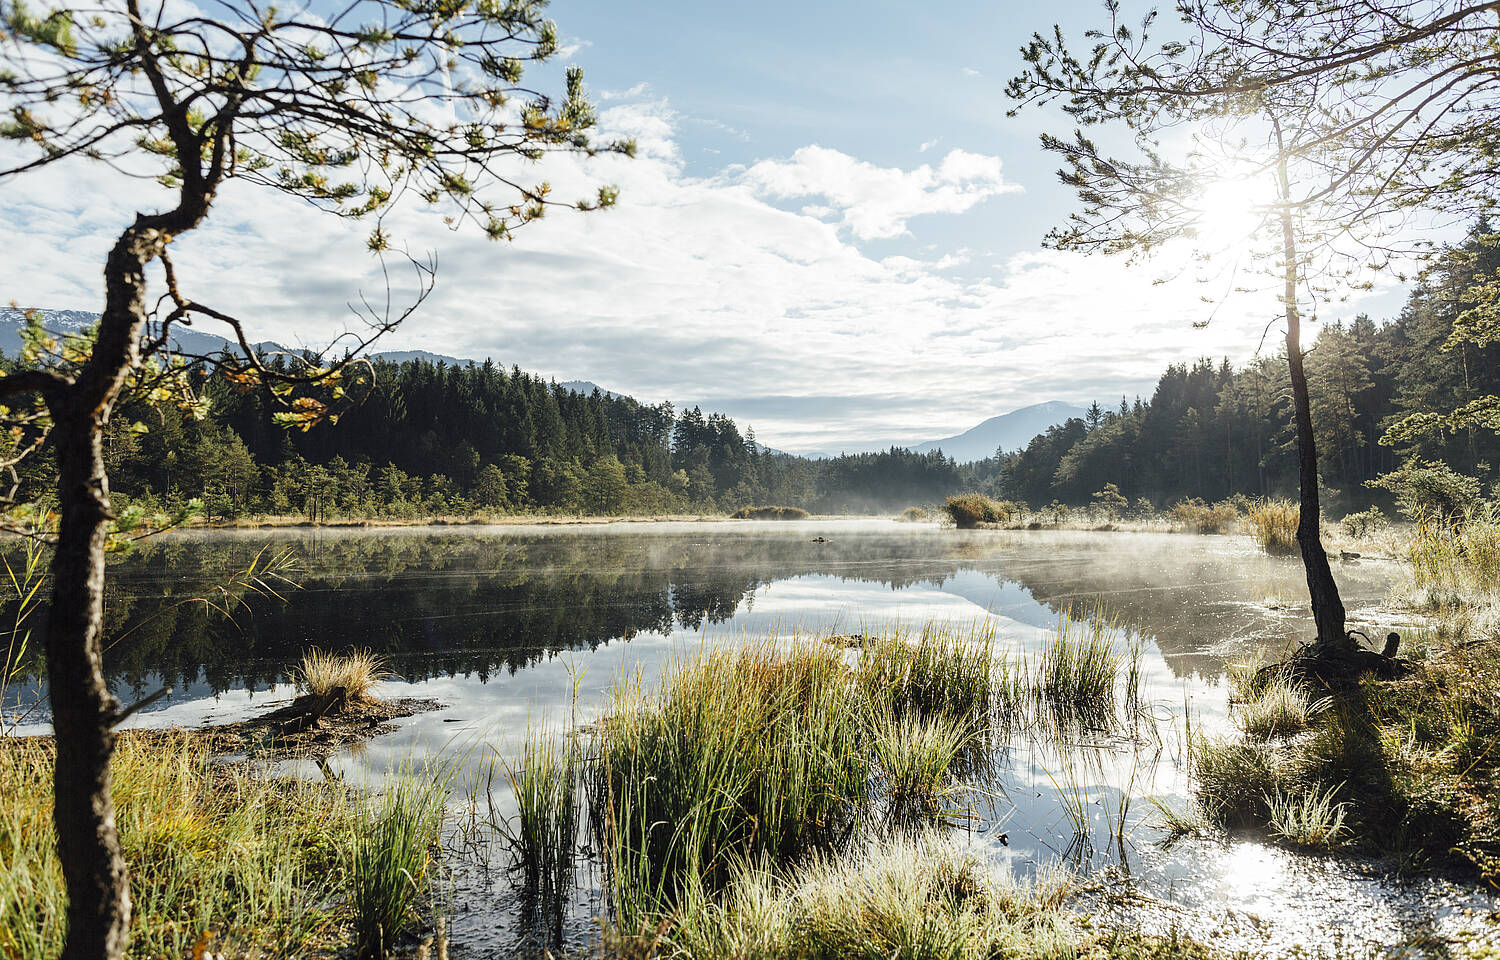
(504, 625)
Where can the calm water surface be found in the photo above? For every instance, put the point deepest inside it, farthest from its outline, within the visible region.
(503, 624)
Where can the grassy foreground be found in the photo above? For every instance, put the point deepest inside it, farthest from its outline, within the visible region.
(1405, 768)
(789, 801)
(222, 862)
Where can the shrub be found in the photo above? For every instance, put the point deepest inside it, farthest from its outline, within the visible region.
(969, 510)
(915, 515)
(1427, 489)
(1203, 518)
(1364, 523)
(1111, 502)
(1273, 524)
(770, 513)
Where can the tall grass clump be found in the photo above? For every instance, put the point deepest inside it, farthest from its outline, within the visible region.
(913, 898)
(323, 674)
(1076, 673)
(1273, 525)
(389, 866)
(969, 510)
(220, 859)
(1201, 517)
(738, 753)
(544, 781)
(1236, 778)
(1460, 557)
(946, 671)
(916, 757)
(1275, 707)
(1310, 818)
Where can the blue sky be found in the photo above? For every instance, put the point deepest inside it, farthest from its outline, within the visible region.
(832, 232)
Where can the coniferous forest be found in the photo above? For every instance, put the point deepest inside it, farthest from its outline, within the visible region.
(431, 439)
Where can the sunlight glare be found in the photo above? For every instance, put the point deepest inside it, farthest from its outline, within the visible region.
(1230, 210)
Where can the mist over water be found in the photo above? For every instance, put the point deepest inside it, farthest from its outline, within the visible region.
(507, 625)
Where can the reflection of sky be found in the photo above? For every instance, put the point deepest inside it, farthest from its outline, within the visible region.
(1199, 588)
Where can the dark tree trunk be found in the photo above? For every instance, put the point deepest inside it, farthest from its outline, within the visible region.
(1327, 607)
(83, 709)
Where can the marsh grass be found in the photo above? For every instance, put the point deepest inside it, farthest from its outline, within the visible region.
(1275, 707)
(737, 753)
(544, 781)
(916, 757)
(391, 860)
(246, 865)
(1311, 818)
(969, 510)
(322, 674)
(917, 898)
(770, 513)
(944, 671)
(1273, 525)
(1201, 517)
(1078, 669)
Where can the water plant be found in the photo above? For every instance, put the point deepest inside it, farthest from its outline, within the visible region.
(390, 863)
(544, 781)
(945, 671)
(916, 756)
(1078, 667)
(969, 510)
(1273, 525)
(737, 753)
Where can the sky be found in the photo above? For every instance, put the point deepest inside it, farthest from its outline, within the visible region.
(831, 232)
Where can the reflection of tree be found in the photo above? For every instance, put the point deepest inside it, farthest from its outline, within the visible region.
(473, 603)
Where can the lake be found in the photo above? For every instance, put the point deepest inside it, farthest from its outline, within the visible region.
(517, 626)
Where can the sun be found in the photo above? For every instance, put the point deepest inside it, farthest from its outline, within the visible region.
(1229, 211)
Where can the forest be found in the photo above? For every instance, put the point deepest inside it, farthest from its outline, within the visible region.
(431, 439)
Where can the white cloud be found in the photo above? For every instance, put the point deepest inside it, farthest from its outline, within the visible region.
(693, 288)
(876, 202)
(928, 145)
(971, 72)
(630, 93)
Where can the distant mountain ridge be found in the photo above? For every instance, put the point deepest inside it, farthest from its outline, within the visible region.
(1009, 431)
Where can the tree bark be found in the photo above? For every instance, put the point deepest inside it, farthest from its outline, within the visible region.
(1327, 607)
(84, 712)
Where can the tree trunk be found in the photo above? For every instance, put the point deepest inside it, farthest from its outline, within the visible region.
(1327, 607)
(83, 710)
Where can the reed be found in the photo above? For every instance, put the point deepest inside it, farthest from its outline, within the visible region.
(544, 781)
(1273, 525)
(390, 864)
(946, 672)
(737, 753)
(1077, 671)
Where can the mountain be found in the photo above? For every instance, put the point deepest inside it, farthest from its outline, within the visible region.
(1009, 431)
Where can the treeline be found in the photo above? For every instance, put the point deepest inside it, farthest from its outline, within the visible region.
(1212, 431)
(436, 439)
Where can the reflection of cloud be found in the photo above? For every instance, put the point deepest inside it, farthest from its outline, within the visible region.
(694, 288)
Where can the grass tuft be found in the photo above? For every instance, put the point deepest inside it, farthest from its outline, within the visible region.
(1273, 524)
(916, 756)
(1311, 818)
(322, 673)
(391, 860)
(770, 513)
(1275, 707)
